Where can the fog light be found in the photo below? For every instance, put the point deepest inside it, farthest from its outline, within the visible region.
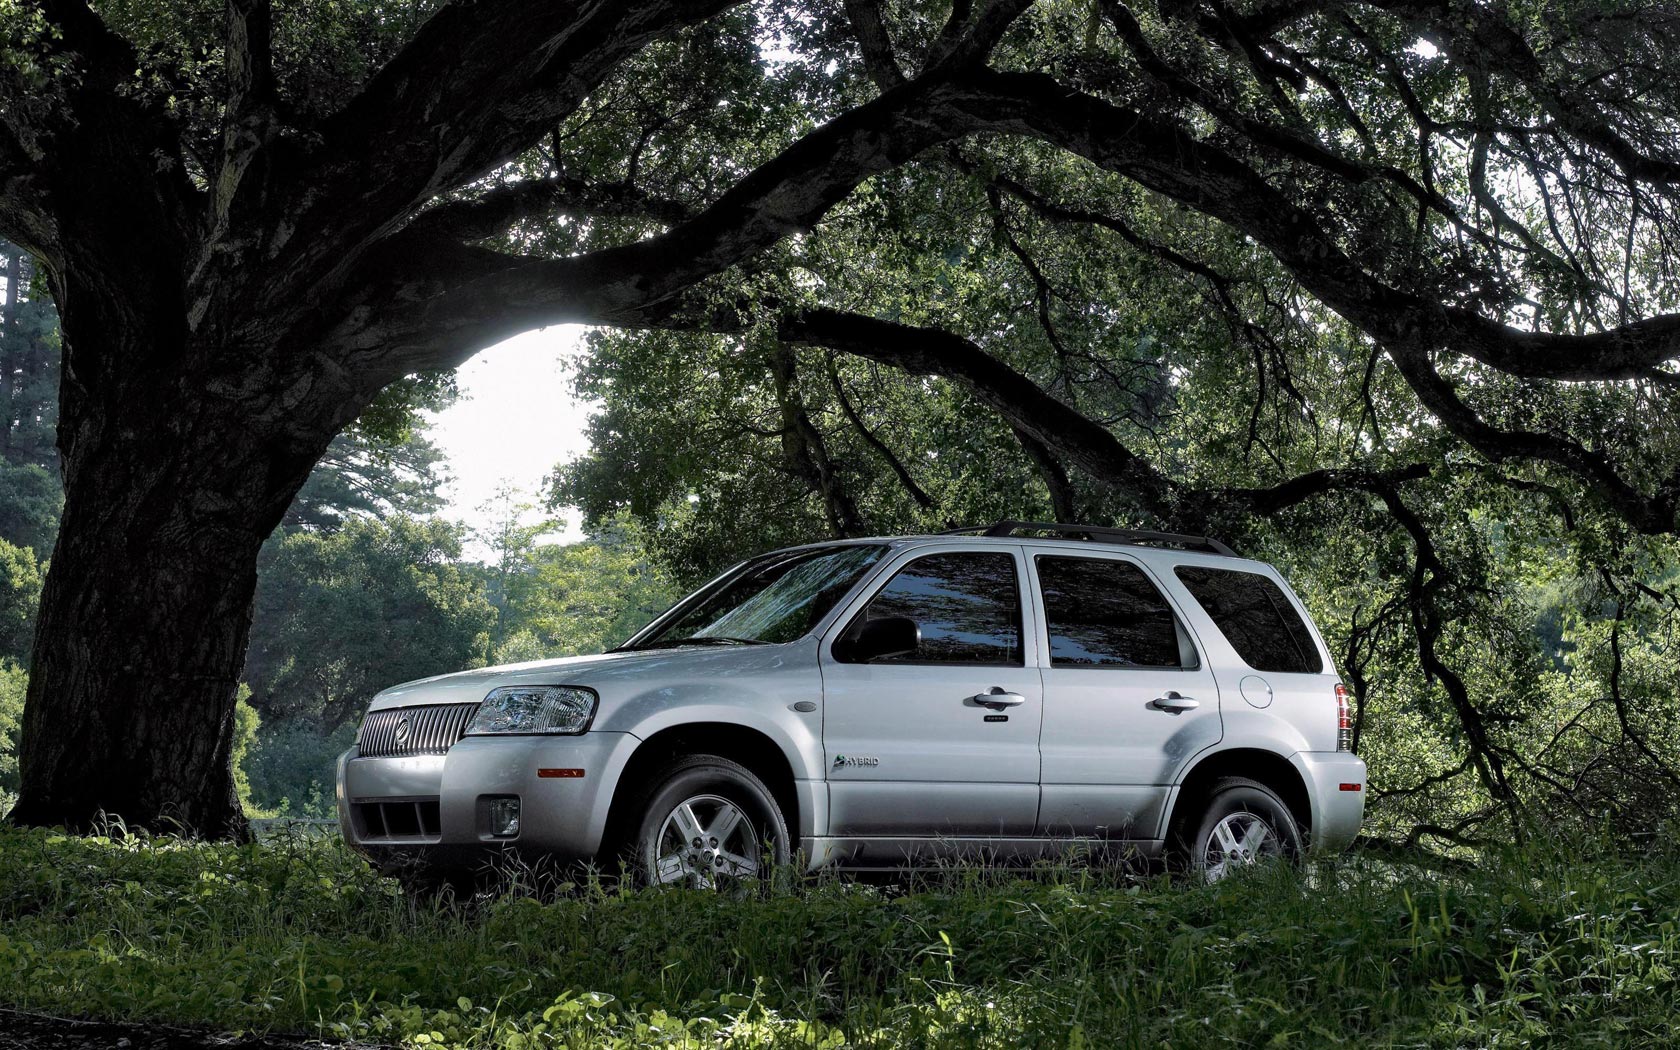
(504, 817)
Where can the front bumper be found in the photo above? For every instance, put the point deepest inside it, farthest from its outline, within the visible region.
(1337, 806)
(434, 808)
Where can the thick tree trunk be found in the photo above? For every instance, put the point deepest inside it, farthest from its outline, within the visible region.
(177, 462)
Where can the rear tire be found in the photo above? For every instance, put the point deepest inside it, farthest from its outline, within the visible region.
(709, 823)
(1238, 823)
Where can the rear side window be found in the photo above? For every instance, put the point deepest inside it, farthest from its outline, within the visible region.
(1256, 618)
(967, 605)
(1103, 613)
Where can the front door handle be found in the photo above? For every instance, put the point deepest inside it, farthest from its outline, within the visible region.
(1173, 702)
(997, 699)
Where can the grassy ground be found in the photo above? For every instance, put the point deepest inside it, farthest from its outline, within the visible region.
(1546, 948)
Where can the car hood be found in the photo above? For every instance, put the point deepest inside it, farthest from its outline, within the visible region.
(595, 671)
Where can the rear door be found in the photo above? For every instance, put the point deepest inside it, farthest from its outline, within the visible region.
(1128, 698)
(914, 748)
(1281, 671)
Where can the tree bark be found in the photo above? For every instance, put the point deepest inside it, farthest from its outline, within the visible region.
(178, 460)
(162, 632)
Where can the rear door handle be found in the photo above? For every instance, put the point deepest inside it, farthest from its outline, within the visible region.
(1173, 702)
(997, 699)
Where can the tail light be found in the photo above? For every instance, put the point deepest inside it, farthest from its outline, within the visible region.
(1344, 721)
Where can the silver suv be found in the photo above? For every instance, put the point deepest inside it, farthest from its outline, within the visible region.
(1004, 693)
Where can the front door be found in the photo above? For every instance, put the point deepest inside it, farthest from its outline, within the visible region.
(941, 741)
(1128, 701)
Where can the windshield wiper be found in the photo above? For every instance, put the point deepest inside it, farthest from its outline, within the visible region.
(701, 639)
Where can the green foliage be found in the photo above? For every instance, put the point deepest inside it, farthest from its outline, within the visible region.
(14, 683)
(31, 500)
(522, 646)
(364, 475)
(30, 350)
(246, 723)
(345, 614)
(722, 485)
(322, 52)
(20, 593)
(567, 599)
(1563, 945)
(1611, 710)
(394, 418)
(290, 768)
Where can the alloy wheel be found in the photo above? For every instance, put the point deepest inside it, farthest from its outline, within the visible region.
(706, 841)
(1239, 840)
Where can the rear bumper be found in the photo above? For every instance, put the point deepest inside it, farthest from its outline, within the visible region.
(1337, 807)
(434, 809)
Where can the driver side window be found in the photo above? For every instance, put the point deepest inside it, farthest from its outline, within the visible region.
(967, 606)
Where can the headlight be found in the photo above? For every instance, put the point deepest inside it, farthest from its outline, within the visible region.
(534, 709)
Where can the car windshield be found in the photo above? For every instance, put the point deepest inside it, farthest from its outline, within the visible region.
(776, 598)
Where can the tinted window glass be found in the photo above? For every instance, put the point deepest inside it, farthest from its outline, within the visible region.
(968, 607)
(1105, 613)
(1256, 618)
(777, 598)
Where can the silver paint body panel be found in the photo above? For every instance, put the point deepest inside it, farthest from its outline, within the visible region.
(944, 770)
(1110, 759)
(1084, 765)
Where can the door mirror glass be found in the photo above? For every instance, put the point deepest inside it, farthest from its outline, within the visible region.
(881, 639)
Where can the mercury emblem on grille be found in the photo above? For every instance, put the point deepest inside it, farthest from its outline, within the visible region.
(401, 733)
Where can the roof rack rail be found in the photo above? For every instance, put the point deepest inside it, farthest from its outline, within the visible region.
(1098, 534)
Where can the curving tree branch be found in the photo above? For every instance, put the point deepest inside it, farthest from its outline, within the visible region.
(1022, 403)
(1428, 578)
(873, 440)
(805, 449)
(1061, 430)
(450, 310)
(476, 86)
(1481, 37)
(495, 211)
(875, 43)
(24, 219)
(642, 283)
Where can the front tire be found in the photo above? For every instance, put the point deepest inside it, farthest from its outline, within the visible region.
(1241, 823)
(711, 823)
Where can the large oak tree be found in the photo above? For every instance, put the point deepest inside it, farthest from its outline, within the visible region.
(255, 220)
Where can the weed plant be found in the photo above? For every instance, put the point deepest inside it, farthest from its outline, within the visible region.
(1560, 944)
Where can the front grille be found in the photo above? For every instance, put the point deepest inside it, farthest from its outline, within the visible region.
(398, 819)
(413, 730)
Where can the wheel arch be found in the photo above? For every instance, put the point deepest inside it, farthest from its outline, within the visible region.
(1270, 768)
(745, 744)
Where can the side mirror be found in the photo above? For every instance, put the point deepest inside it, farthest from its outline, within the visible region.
(880, 639)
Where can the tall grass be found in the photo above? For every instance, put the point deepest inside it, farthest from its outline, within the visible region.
(1563, 945)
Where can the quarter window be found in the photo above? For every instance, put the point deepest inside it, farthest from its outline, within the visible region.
(1256, 617)
(1105, 613)
(967, 606)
